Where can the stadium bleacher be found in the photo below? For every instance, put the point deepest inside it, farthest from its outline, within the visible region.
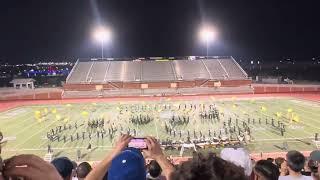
(80, 72)
(97, 71)
(233, 70)
(101, 71)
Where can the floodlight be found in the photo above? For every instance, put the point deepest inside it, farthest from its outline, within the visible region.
(207, 35)
(102, 34)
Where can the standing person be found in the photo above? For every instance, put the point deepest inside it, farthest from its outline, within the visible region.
(89, 147)
(294, 164)
(49, 149)
(78, 154)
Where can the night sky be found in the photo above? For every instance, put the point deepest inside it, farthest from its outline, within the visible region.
(33, 30)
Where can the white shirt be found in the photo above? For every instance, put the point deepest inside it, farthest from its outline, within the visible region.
(302, 177)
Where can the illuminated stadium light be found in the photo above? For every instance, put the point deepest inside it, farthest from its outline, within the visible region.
(102, 35)
(207, 35)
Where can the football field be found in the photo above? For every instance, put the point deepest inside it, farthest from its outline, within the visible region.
(25, 128)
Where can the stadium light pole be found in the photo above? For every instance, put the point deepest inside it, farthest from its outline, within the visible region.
(102, 35)
(207, 35)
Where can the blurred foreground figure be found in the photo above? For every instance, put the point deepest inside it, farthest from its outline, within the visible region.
(208, 167)
(265, 169)
(64, 166)
(30, 167)
(125, 163)
(294, 164)
(83, 170)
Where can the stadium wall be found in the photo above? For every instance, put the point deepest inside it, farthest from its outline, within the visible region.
(257, 88)
(284, 88)
(156, 85)
(35, 95)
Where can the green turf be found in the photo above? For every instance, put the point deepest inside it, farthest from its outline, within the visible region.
(26, 135)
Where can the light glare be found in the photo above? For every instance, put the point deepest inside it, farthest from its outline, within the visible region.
(207, 35)
(102, 34)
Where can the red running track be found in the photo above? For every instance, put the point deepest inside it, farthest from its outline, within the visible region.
(5, 105)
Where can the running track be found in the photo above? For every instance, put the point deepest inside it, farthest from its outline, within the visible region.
(6, 105)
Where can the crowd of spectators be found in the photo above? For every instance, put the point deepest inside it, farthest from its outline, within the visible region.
(125, 163)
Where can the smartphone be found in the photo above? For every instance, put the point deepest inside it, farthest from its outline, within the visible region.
(138, 143)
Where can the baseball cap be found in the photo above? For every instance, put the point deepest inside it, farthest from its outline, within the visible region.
(128, 165)
(239, 157)
(63, 165)
(315, 155)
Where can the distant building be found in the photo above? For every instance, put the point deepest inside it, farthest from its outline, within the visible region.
(23, 83)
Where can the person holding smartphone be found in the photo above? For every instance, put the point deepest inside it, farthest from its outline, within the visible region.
(128, 162)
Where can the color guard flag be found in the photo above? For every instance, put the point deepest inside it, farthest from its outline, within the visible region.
(54, 110)
(296, 118)
(84, 113)
(37, 114)
(279, 114)
(263, 109)
(58, 117)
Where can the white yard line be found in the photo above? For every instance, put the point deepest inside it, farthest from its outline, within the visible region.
(156, 127)
(17, 121)
(37, 132)
(311, 126)
(281, 139)
(58, 148)
(27, 127)
(268, 134)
